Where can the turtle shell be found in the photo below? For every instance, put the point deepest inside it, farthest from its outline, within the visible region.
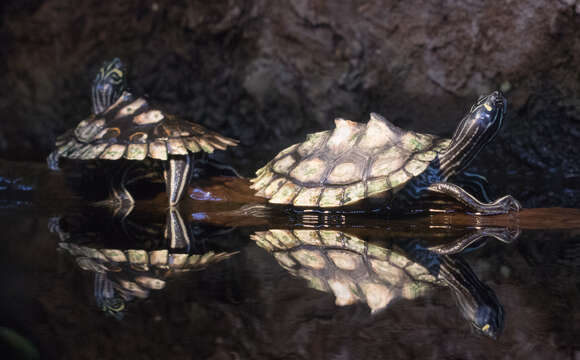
(350, 268)
(133, 129)
(138, 270)
(352, 162)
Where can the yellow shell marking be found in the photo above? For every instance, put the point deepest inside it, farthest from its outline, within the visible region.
(138, 137)
(148, 117)
(158, 257)
(309, 258)
(176, 147)
(131, 108)
(345, 173)
(113, 152)
(85, 131)
(283, 165)
(136, 151)
(331, 197)
(285, 194)
(343, 259)
(312, 143)
(308, 197)
(108, 133)
(343, 291)
(157, 150)
(377, 296)
(309, 170)
(388, 162)
(308, 236)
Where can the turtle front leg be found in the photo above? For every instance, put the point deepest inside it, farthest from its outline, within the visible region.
(176, 231)
(120, 194)
(177, 177)
(505, 235)
(502, 205)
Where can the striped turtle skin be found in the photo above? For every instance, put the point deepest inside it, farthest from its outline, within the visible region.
(357, 161)
(354, 270)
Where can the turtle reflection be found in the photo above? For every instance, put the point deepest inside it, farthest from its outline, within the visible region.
(355, 270)
(121, 275)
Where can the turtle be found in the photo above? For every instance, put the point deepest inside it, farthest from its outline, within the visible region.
(124, 126)
(378, 274)
(121, 275)
(377, 160)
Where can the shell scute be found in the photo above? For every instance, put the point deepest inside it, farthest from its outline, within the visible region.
(283, 165)
(354, 193)
(136, 151)
(113, 152)
(331, 197)
(308, 197)
(399, 178)
(132, 120)
(345, 173)
(93, 151)
(388, 162)
(309, 171)
(379, 133)
(285, 194)
(309, 237)
(274, 186)
(158, 150)
(176, 147)
(288, 150)
(344, 136)
(313, 142)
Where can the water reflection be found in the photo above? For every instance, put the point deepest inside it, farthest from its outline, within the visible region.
(379, 273)
(122, 275)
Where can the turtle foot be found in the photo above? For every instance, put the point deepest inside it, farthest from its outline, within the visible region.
(503, 234)
(52, 161)
(503, 205)
(122, 209)
(508, 203)
(122, 202)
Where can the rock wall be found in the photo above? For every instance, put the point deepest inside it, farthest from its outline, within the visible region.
(270, 72)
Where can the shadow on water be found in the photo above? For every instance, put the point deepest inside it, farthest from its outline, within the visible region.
(227, 277)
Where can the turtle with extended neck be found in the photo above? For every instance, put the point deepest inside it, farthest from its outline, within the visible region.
(378, 160)
(123, 126)
(380, 273)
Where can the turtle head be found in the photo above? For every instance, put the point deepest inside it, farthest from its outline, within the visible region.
(476, 129)
(488, 320)
(108, 85)
(114, 307)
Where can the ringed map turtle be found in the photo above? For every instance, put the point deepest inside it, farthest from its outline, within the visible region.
(123, 126)
(377, 160)
(380, 273)
(121, 275)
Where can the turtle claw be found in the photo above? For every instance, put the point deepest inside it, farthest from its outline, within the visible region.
(509, 204)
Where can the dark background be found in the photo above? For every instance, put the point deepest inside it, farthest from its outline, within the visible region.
(269, 72)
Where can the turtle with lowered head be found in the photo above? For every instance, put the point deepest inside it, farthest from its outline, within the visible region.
(378, 160)
(124, 126)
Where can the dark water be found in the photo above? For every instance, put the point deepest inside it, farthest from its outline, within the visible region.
(242, 291)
